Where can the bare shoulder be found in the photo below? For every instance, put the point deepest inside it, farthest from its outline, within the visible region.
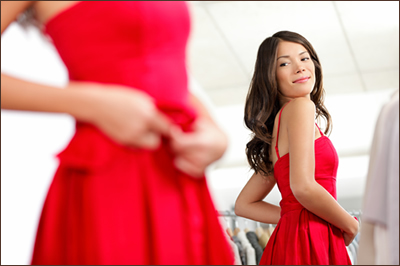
(299, 118)
(299, 109)
(300, 104)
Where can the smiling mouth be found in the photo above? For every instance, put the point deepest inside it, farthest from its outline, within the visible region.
(301, 80)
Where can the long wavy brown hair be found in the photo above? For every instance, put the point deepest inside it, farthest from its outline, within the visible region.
(262, 101)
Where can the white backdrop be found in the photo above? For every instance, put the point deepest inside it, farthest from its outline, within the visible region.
(29, 143)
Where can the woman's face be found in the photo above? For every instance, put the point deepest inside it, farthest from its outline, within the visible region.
(295, 70)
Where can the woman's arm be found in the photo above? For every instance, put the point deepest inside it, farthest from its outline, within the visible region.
(300, 128)
(127, 116)
(250, 204)
(10, 10)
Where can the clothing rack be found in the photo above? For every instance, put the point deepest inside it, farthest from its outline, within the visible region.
(356, 213)
(227, 213)
(234, 222)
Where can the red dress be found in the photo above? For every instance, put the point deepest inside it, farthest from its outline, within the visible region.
(300, 236)
(109, 204)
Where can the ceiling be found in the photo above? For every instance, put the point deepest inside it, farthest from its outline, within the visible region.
(357, 42)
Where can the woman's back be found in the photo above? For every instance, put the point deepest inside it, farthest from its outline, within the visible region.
(283, 139)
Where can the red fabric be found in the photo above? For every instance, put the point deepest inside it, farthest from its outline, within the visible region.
(300, 236)
(109, 204)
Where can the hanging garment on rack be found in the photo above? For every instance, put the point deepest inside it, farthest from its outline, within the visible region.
(358, 235)
(301, 237)
(229, 231)
(379, 237)
(355, 244)
(235, 250)
(251, 255)
(353, 253)
(259, 231)
(249, 250)
(252, 237)
(236, 231)
(350, 255)
(263, 240)
(242, 253)
(270, 230)
(236, 253)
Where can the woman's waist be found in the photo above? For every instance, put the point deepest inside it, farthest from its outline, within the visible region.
(289, 207)
(320, 174)
(136, 72)
(162, 81)
(290, 203)
(327, 181)
(91, 149)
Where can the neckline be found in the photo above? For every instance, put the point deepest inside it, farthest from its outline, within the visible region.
(63, 12)
(287, 154)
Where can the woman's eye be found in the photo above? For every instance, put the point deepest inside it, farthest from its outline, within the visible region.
(283, 64)
(305, 59)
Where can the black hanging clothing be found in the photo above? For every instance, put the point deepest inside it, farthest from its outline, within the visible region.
(253, 239)
(242, 254)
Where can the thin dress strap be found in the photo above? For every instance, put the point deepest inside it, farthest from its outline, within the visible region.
(322, 134)
(277, 135)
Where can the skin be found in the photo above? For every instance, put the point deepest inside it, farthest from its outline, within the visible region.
(294, 62)
(126, 115)
(296, 137)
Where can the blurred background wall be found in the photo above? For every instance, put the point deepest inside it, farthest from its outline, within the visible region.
(358, 45)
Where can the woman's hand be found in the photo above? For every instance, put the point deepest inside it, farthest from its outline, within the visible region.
(198, 149)
(126, 115)
(349, 236)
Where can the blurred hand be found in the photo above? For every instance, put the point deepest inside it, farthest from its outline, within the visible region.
(349, 236)
(198, 149)
(127, 116)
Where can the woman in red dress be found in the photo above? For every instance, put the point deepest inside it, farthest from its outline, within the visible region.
(130, 186)
(289, 149)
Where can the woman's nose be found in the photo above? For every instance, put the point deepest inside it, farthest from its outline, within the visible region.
(300, 69)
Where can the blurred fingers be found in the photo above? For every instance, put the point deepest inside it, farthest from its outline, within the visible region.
(189, 167)
(149, 140)
(183, 142)
(160, 123)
